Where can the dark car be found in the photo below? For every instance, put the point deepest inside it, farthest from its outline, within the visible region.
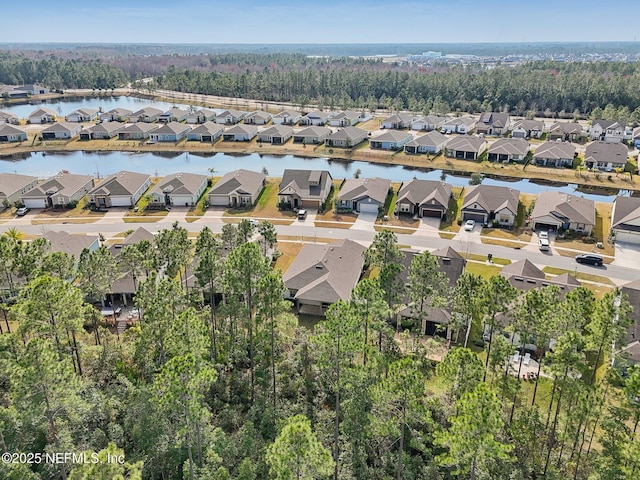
(590, 259)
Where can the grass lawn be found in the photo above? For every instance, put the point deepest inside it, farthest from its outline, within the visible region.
(266, 206)
(398, 230)
(502, 243)
(199, 209)
(483, 269)
(53, 221)
(500, 233)
(524, 206)
(289, 252)
(579, 275)
(330, 214)
(329, 224)
(448, 236)
(603, 226)
(147, 219)
(563, 245)
(77, 211)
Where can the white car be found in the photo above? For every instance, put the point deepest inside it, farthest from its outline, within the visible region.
(468, 225)
(543, 243)
(543, 235)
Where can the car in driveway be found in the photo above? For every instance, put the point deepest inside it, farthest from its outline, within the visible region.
(544, 234)
(302, 214)
(543, 244)
(468, 225)
(22, 211)
(590, 259)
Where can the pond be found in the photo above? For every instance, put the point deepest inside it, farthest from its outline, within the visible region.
(100, 164)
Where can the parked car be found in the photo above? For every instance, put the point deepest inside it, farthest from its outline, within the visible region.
(590, 259)
(543, 234)
(254, 222)
(302, 214)
(22, 211)
(543, 244)
(469, 224)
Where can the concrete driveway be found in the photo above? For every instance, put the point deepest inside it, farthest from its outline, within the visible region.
(627, 255)
(429, 226)
(365, 221)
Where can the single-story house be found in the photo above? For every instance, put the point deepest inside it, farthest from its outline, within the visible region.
(315, 118)
(366, 195)
(70, 244)
(137, 131)
(554, 210)
(240, 187)
(179, 189)
(257, 118)
(116, 115)
(347, 118)
(8, 117)
(83, 115)
(170, 132)
(524, 275)
(488, 203)
(146, 115)
(174, 115)
(206, 132)
(398, 121)
(390, 140)
(201, 116)
(508, 150)
(527, 129)
(631, 345)
(427, 123)
(346, 138)
(607, 131)
(287, 117)
(432, 142)
(58, 191)
(304, 188)
(625, 220)
(424, 198)
(13, 186)
(42, 115)
(459, 125)
(122, 189)
(240, 133)
(276, 134)
(606, 156)
(12, 133)
(323, 274)
(554, 154)
(32, 89)
(565, 131)
(465, 148)
(61, 131)
(311, 135)
(101, 131)
(493, 123)
(230, 117)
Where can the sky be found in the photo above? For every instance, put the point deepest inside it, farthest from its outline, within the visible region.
(325, 21)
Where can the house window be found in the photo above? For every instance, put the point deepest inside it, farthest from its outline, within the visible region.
(504, 218)
(404, 207)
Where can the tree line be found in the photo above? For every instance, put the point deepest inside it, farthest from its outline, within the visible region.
(217, 380)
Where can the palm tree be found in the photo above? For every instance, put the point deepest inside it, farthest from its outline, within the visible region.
(14, 234)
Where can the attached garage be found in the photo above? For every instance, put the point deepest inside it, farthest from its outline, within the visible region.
(545, 226)
(120, 201)
(478, 217)
(368, 207)
(627, 236)
(34, 202)
(219, 200)
(426, 212)
(310, 204)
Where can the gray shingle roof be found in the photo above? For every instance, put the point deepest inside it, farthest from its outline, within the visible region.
(555, 150)
(625, 209)
(495, 119)
(509, 146)
(139, 128)
(606, 152)
(392, 136)
(11, 183)
(421, 192)
(566, 127)
(9, 129)
(105, 127)
(529, 125)
(208, 127)
(121, 183)
(180, 184)
(278, 130)
(315, 131)
(63, 183)
(465, 143)
(70, 244)
(241, 130)
(431, 139)
(492, 198)
(358, 188)
(299, 181)
(348, 133)
(172, 128)
(61, 127)
(564, 206)
(240, 181)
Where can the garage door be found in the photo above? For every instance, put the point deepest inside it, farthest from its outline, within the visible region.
(368, 207)
(629, 237)
(310, 204)
(478, 217)
(431, 213)
(34, 203)
(120, 201)
(219, 201)
(544, 226)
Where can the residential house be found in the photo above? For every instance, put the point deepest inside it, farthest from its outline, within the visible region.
(424, 198)
(230, 117)
(58, 191)
(206, 132)
(32, 89)
(304, 188)
(137, 131)
(126, 287)
(527, 129)
(174, 115)
(554, 210)
(238, 188)
(276, 134)
(432, 142)
(116, 115)
(450, 262)
(507, 150)
(606, 156)
(631, 345)
(72, 245)
(12, 133)
(13, 186)
(122, 189)
(179, 189)
(83, 115)
(565, 131)
(201, 116)
(427, 123)
(170, 132)
(101, 131)
(346, 138)
(554, 154)
(608, 131)
(390, 140)
(490, 204)
(315, 118)
(493, 123)
(322, 274)
(524, 275)
(635, 137)
(257, 118)
(240, 133)
(287, 117)
(462, 125)
(311, 135)
(61, 131)
(625, 220)
(8, 117)
(146, 115)
(363, 195)
(42, 115)
(465, 148)
(347, 118)
(398, 121)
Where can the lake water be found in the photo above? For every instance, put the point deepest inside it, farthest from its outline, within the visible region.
(100, 164)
